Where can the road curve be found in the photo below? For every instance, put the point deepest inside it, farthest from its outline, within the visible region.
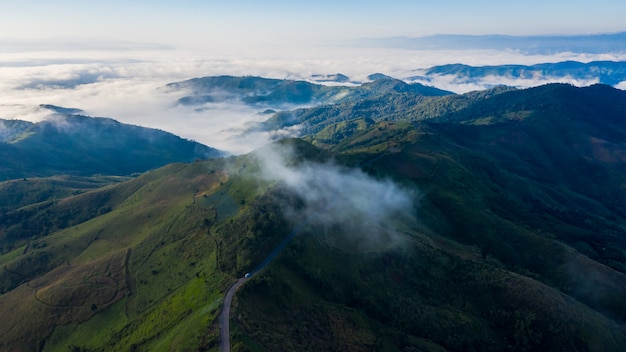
(225, 316)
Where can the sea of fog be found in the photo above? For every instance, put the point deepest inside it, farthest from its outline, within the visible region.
(128, 85)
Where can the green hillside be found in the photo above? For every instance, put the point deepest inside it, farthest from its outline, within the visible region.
(145, 266)
(80, 145)
(395, 101)
(522, 214)
(494, 223)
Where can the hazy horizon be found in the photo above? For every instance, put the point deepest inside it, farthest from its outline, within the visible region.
(112, 59)
(198, 24)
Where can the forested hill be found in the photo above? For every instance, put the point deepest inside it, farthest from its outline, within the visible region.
(80, 145)
(279, 93)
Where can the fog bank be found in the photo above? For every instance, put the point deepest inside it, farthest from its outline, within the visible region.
(128, 85)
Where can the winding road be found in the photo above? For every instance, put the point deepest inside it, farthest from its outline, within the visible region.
(225, 315)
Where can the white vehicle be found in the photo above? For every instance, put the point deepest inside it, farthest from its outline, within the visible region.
(247, 275)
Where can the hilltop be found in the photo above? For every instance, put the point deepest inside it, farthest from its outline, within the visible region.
(285, 93)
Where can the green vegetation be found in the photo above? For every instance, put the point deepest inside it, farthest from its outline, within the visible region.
(522, 247)
(32, 208)
(263, 91)
(518, 242)
(85, 146)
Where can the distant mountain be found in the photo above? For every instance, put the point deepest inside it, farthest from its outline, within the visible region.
(377, 76)
(275, 93)
(593, 43)
(381, 100)
(604, 72)
(80, 145)
(337, 78)
(62, 110)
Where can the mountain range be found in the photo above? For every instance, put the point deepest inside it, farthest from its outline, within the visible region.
(70, 143)
(486, 221)
(287, 94)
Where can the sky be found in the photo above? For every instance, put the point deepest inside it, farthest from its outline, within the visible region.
(276, 22)
(112, 58)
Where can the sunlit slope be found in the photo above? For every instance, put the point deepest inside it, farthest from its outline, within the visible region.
(31, 208)
(497, 224)
(604, 72)
(142, 270)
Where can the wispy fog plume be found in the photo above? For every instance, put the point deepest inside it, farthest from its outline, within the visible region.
(353, 208)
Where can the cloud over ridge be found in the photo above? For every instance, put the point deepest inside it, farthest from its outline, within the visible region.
(349, 205)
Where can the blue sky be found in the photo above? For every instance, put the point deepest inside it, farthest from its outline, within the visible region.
(114, 57)
(276, 22)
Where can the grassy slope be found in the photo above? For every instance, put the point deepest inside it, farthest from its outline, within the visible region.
(149, 272)
(130, 277)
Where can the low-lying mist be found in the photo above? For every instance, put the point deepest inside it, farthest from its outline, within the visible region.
(354, 209)
(128, 85)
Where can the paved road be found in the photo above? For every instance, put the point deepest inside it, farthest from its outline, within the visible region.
(225, 316)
